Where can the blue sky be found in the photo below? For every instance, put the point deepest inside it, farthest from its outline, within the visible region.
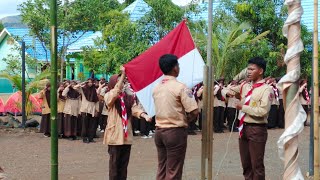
(9, 7)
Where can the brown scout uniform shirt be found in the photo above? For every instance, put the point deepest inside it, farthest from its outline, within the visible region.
(216, 101)
(172, 100)
(114, 134)
(87, 106)
(61, 104)
(260, 102)
(72, 106)
(102, 92)
(45, 106)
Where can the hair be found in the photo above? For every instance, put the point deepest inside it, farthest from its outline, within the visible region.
(260, 62)
(167, 62)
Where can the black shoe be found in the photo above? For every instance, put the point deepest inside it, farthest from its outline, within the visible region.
(219, 131)
(46, 135)
(72, 138)
(86, 140)
(192, 133)
(91, 140)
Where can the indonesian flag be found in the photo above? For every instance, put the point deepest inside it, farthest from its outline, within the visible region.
(144, 72)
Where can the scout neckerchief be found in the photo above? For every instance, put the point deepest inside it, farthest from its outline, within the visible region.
(246, 102)
(275, 91)
(307, 95)
(124, 115)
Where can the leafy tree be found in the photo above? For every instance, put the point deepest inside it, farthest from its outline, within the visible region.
(128, 2)
(234, 40)
(163, 17)
(1, 26)
(262, 16)
(32, 86)
(14, 61)
(75, 19)
(121, 42)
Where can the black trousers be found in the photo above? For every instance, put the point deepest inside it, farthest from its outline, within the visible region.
(218, 119)
(200, 120)
(45, 124)
(103, 120)
(145, 127)
(232, 115)
(281, 115)
(118, 162)
(273, 117)
(88, 126)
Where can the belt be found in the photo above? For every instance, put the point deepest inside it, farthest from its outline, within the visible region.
(255, 124)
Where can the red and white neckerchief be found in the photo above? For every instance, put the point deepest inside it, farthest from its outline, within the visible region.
(307, 95)
(130, 88)
(195, 90)
(246, 102)
(276, 94)
(124, 115)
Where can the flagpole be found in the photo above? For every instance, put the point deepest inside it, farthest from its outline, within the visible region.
(315, 92)
(294, 116)
(207, 125)
(53, 92)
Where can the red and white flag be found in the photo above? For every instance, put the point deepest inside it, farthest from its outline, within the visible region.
(144, 72)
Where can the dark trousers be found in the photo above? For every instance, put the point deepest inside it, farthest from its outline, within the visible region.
(145, 127)
(192, 126)
(103, 120)
(88, 126)
(281, 114)
(200, 120)
(70, 125)
(135, 124)
(45, 124)
(60, 122)
(273, 117)
(118, 162)
(79, 125)
(171, 146)
(218, 119)
(232, 116)
(252, 147)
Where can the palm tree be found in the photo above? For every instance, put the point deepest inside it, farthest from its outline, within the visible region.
(32, 86)
(228, 45)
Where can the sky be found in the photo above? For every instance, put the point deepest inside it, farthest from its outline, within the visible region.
(9, 7)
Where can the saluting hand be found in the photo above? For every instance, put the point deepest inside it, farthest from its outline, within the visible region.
(122, 69)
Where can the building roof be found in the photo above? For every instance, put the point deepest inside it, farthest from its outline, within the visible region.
(34, 47)
(137, 10)
(84, 42)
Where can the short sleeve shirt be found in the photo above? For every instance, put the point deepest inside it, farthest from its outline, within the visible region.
(172, 101)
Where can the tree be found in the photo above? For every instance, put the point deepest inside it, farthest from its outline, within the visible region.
(75, 19)
(1, 26)
(229, 47)
(32, 86)
(163, 17)
(121, 42)
(269, 15)
(14, 62)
